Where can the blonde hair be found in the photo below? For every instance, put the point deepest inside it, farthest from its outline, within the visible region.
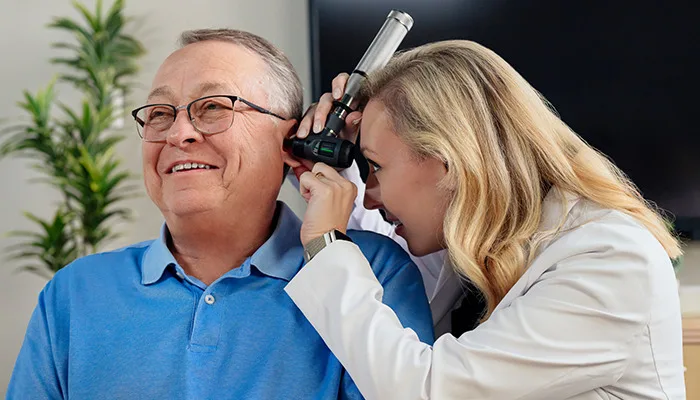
(504, 147)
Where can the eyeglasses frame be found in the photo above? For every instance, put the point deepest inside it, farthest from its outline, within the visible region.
(142, 123)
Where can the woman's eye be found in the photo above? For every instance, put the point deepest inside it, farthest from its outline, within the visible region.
(375, 167)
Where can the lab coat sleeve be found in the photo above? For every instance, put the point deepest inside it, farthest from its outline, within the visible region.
(571, 332)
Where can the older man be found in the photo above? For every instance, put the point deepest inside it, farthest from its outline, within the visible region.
(201, 313)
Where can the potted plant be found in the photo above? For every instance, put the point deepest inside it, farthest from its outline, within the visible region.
(74, 150)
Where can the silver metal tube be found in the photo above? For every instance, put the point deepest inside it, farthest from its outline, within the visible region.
(384, 45)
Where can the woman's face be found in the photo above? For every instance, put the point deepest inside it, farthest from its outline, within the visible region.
(401, 185)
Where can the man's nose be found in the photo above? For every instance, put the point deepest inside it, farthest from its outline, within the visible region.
(372, 198)
(182, 132)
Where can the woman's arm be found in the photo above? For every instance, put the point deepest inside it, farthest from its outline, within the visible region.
(371, 220)
(571, 332)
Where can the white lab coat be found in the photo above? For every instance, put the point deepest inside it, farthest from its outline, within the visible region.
(595, 316)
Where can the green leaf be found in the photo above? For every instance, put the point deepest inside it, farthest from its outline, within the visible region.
(26, 254)
(93, 20)
(75, 153)
(41, 271)
(72, 27)
(67, 46)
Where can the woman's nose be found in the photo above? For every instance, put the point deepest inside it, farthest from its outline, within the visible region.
(372, 198)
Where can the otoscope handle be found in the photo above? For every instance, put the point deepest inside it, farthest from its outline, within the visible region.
(325, 146)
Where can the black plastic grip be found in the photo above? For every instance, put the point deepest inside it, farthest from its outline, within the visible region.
(330, 150)
(335, 123)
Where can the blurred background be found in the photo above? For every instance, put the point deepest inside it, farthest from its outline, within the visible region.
(622, 74)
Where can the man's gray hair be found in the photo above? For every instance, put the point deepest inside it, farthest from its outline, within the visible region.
(285, 93)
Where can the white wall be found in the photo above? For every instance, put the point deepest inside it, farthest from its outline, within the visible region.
(24, 54)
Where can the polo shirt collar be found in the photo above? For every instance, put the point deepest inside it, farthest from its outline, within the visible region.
(281, 256)
(156, 258)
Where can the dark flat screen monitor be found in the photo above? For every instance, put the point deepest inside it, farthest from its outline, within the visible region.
(623, 74)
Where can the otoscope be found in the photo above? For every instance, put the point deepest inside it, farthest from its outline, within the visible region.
(326, 146)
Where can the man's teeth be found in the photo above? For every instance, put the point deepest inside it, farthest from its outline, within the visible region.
(180, 167)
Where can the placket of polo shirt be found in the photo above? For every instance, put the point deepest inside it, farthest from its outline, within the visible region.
(206, 328)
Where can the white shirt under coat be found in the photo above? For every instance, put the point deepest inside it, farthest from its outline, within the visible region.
(595, 316)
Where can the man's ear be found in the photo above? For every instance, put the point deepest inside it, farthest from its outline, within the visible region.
(290, 160)
(292, 129)
(298, 165)
(287, 157)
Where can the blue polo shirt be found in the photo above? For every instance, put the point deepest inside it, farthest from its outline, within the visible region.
(130, 324)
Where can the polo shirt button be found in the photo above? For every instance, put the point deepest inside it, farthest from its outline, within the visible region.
(209, 299)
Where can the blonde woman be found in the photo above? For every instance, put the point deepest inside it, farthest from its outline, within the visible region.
(573, 265)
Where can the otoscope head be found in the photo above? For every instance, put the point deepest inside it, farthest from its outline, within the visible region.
(323, 148)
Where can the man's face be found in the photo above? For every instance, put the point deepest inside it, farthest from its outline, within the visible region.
(244, 162)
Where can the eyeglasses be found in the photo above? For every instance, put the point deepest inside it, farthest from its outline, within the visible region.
(209, 115)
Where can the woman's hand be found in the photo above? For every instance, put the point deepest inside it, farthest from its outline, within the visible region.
(315, 119)
(330, 200)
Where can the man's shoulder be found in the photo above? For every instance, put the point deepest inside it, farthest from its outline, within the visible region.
(376, 244)
(383, 253)
(106, 262)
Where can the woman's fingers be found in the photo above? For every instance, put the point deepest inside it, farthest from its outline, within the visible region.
(338, 85)
(344, 191)
(330, 199)
(306, 121)
(307, 184)
(326, 171)
(352, 125)
(353, 118)
(315, 116)
(325, 104)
